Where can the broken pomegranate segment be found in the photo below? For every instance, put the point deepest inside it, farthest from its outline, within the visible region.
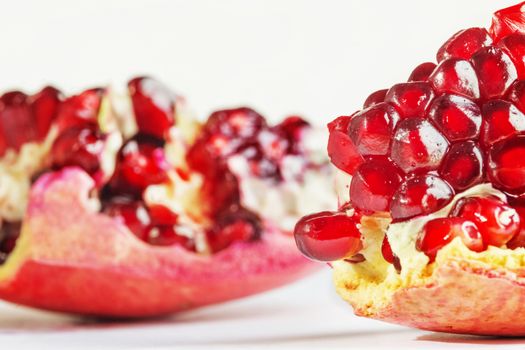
(155, 212)
(441, 190)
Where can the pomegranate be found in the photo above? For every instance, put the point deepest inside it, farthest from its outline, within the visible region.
(436, 167)
(155, 221)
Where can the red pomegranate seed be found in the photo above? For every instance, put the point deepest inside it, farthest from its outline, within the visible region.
(16, 119)
(45, 106)
(292, 128)
(420, 195)
(131, 213)
(341, 149)
(371, 129)
(140, 163)
(168, 236)
(463, 165)
(437, 233)
(162, 215)
(455, 76)
(80, 110)
(373, 185)
(238, 225)
(153, 104)
(495, 71)
(507, 21)
(260, 165)
(375, 98)
(422, 72)
(386, 251)
(496, 221)
(273, 145)
(501, 121)
(464, 44)
(418, 145)
(518, 241)
(514, 46)
(328, 236)
(506, 165)
(457, 117)
(81, 147)
(235, 123)
(516, 94)
(411, 99)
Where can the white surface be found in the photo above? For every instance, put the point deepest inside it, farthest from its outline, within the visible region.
(317, 58)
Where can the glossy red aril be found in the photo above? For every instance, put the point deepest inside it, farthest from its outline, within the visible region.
(457, 117)
(16, 119)
(506, 165)
(131, 213)
(439, 232)
(81, 147)
(464, 44)
(141, 162)
(411, 99)
(153, 105)
(235, 123)
(81, 110)
(168, 236)
(507, 21)
(375, 98)
(502, 120)
(514, 46)
(455, 76)
(328, 236)
(341, 149)
(422, 72)
(463, 165)
(420, 195)
(373, 185)
(418, 145)
(386, 251)
(371, 129)
(45, 106)
(516, 94)
(495, 71)
(497, 222)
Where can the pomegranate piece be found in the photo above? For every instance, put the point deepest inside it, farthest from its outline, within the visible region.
(241, 123)
(291, 128)
(516, 94)
(373, 185)
(45, 106)
(272, 145)
(439, 232)
(497, 222)
(514, 46)
(455, 76)
(457, 117)
(464, 44)
(81, 147)
(16, 119)
(422, 72)
(153, 105)
(506, 165)
(168, 236)
(386, 251)
(418, 146)
(502, 120)
(420, 195)
(371, 129)
(131, 213)
(341, 149)
(81, 110)
(161, 215)
(495, 71)
(237, 225)
(375, 98)
(463, 165)
(141, 162)
(328, 236)
(411, 99)
(507, 21)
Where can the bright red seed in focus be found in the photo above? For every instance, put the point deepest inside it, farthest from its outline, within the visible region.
(514, 46)
(464, 44)
(507, 21)
(506, 165)
(501, 121)
(411, 99)
(463, 165)
(455, 76)
(341, 149)
(495, 71)
(518, 241)
(375, 98)
(328, 236)
(439, 232)
(422, 72)
(496, 221)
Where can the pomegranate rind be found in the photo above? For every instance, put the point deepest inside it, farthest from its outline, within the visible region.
(71, 258)
(461, 296)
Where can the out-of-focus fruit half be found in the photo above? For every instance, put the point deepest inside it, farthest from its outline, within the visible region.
(126, 206)
(435, 170)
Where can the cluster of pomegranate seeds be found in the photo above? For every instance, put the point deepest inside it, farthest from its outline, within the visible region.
(453, 125)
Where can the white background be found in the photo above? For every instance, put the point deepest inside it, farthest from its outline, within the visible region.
(316, 58)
